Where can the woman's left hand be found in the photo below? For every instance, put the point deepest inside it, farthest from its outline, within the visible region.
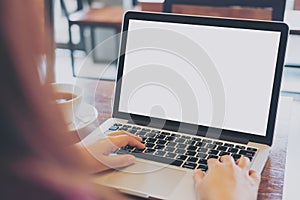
(98, 151)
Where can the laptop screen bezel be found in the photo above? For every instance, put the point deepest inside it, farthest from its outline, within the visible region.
(231, 135)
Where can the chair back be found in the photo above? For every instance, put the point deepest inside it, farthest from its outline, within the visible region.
(68, 7)
(249, 9)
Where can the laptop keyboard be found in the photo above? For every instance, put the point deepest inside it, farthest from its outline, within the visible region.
(180, 150)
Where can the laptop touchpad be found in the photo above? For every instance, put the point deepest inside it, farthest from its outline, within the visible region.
(147, 179)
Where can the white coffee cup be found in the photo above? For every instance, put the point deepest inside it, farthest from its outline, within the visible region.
(68, 98)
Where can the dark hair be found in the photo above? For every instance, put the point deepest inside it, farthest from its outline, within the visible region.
(32, 127)
(12, 145)
(28, 117)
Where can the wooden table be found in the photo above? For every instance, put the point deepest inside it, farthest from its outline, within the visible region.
(271, 186)
(105, 16)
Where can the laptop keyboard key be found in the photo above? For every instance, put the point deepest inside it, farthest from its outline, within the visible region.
(181, 146)
(186, 137)
(158, 146)
(138, 150)
(180, 151)
(165, 133)
(202, 161)
(190, 142)
(196, 139)
(127, 147)
(177, 163)
(228, 145)
(170, 138)
(133, 131)
(181, 157)
(211, 146)
(232, 150)
(160, 137)
(189, 165)
(201, 155)
(170, 155)
(171, 144)
(202, 167)
(114, 128)
(161, 141)
(123, 129)
(246, 153)
(151, 135)
(251, 149)
(192, 148)
(213, 152)
(169, 149)
(144, 140)
(190, 153)
(218, 143)
(221, 148)
(159, 153)
(212, 156)
(223, 153)
(207, 141)
(151, 140)
(150, 145)
(180, 140)
(240, 147)
(199, 144)
(149, 150)
(192, 159)
(202, 150)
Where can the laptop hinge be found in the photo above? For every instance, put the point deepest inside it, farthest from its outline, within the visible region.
(133, 120)
(153, 123)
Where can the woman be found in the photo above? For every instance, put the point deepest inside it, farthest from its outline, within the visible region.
(37, 160)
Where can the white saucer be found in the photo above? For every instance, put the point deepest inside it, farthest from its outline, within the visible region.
(85, 121)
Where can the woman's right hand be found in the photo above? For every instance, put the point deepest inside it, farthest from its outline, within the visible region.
(227, 180)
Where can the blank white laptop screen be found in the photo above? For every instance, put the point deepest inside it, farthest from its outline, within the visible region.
(153, 77)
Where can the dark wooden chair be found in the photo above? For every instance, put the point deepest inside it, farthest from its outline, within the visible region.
(250, 9)
(86, 16)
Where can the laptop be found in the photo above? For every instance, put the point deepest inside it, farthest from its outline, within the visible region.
(193, 88)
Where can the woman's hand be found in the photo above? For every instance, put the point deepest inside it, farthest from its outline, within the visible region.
(227, 180)
(98, 152)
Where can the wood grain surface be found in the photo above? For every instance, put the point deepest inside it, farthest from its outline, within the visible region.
(108, 15)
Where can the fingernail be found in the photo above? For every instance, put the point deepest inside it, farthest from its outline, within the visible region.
(195, 171)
